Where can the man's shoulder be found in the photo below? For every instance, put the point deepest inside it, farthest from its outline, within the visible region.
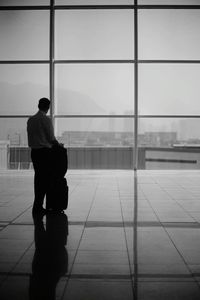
(32, 117)
(39, 118)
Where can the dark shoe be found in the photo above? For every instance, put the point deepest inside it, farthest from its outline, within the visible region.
(55, 211)
(38, 211)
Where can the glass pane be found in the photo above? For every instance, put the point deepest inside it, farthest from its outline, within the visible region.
(14, 151)
(95, 131)
(24, 35)
(170, 143)
(21, 86)
(94, 89)
(93, 2)
(169, 89)
(23, 2)
(169, 34)
(97, 143)
(13, 131)
(169, 2)
(94, 34)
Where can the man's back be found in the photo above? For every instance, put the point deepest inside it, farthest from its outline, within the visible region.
(40, 131)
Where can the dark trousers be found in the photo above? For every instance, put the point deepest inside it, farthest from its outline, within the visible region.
(42, 166)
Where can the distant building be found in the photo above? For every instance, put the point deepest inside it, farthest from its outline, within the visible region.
(128, 122)
(160, 139)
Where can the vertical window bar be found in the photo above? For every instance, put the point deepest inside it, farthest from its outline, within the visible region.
(135, 159)
(135, 237)
(51, 58)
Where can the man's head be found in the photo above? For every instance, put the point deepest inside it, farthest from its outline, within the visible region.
(44, 104)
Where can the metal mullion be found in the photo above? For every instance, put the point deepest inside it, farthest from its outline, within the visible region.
(147, 6)
(106, 61)
(172, 6)
(14, 116)
(51, 59)
(94, 116)
(14, 62)
(97, 61)
(25, 7)
(170, 116)
(88, 7)
(168, 61)
(135, 86)
(112, 116)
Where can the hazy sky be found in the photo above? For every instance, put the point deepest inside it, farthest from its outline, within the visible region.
(24, 35)
(169, 34)
(96, 34)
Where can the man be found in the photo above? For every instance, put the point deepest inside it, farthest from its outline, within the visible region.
(40, 140)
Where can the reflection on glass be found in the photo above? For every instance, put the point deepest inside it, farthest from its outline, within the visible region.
(104, 132)
(24, 35)
(169, 34)
(94, 89)
(170, 143)
(22, 86)
(50, 261)
(94, 34)
(169, 89)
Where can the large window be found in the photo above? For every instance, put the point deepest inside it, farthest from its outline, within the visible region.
(21, 87)
(24, 35)
(91, 89)
(169, 34)
(169, 89)
(94, 34)
(121, 74)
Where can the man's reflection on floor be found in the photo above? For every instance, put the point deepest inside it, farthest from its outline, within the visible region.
(50, 260)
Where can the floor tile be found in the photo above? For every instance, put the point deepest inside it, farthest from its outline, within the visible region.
(168, 290)
(98, 290)
(103, 239)
(102, 257)
(15, 287)
(158, 247)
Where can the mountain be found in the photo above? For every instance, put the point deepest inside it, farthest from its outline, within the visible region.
(23, 99)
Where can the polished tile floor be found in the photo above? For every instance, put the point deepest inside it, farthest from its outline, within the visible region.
(124, 236)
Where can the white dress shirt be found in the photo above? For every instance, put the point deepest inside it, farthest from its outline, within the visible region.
(40, 131)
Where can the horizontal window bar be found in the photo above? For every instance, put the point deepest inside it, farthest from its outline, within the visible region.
(86, 7)
(160, 61)
(66, 7)
(25, 7)
(104, 61)
(94, 116)
(169, 116)
(96, 61)
(125, 6)
(128, 6)
(169, 6)
(5, 62)
(127, 116)
(14, 116)
(110, 116)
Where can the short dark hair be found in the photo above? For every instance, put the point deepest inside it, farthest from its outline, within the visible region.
(44, 104)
